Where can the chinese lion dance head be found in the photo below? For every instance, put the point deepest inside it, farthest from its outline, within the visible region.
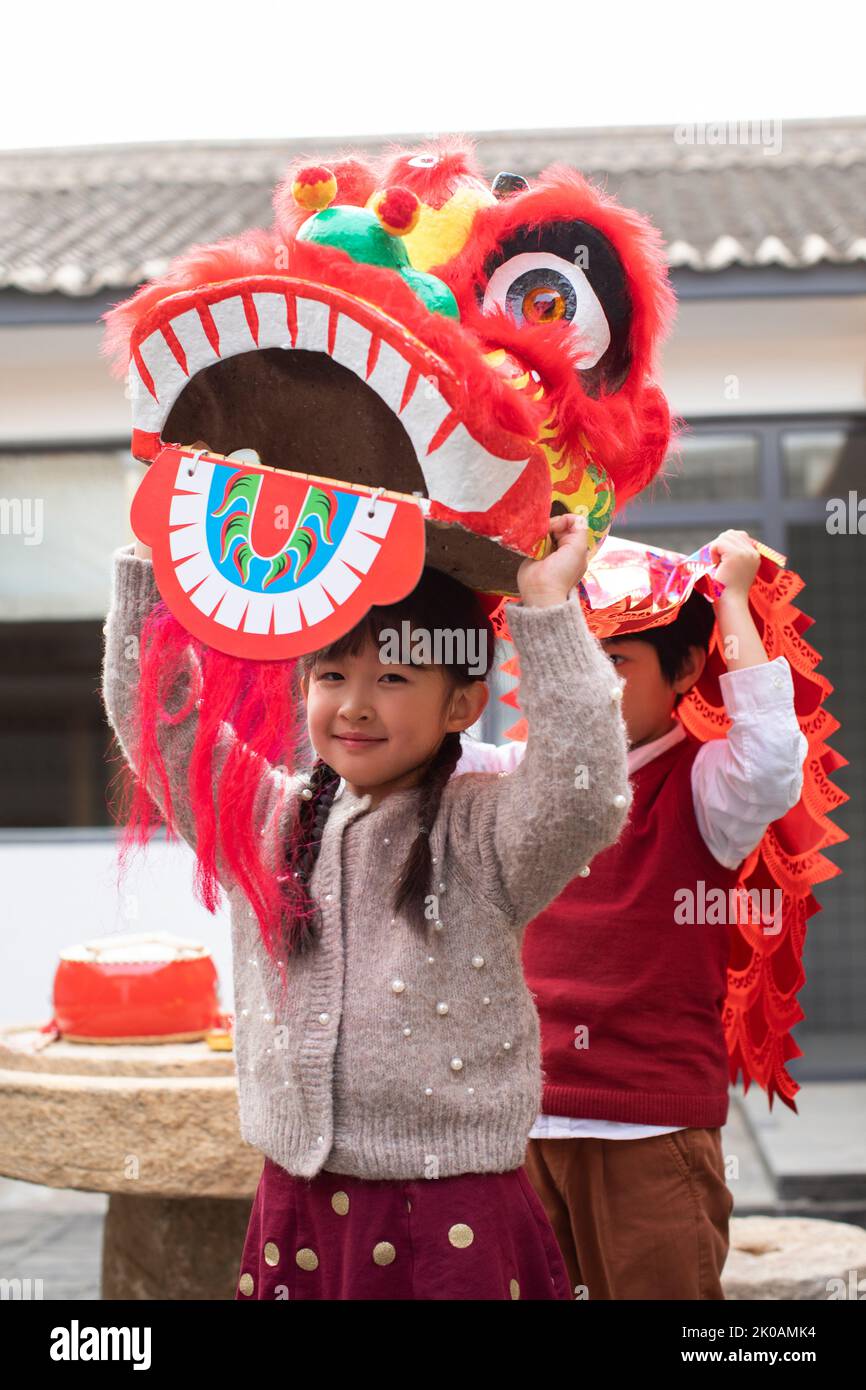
(482, 356)
(410, 367)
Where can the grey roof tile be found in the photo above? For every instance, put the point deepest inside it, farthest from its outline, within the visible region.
(84, 219)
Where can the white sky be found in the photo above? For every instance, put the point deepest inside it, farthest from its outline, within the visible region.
(98, 73)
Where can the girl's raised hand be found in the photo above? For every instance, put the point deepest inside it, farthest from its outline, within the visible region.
(543, 583)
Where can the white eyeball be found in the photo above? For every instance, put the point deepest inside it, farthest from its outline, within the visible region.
(538, 287)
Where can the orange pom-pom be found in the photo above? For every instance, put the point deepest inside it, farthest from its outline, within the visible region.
(314, 188)
(398, 210)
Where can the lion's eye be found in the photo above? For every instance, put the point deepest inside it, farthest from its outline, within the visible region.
(538, 287)
(541, 301)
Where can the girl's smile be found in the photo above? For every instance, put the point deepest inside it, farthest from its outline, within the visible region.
(358, 742)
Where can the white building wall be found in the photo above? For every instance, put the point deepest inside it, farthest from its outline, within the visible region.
(60, 888)
(794, 354)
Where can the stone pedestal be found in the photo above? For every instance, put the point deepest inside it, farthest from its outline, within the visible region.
(156, 1127)
(171, 1248)
(794, 1257)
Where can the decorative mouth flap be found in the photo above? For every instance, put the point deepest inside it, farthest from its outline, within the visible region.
(267, 564)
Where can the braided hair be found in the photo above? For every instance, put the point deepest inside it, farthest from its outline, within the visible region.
(414, 882)
(437, 601)
(303, 920)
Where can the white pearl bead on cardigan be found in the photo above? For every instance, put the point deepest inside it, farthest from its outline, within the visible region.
(620, 800)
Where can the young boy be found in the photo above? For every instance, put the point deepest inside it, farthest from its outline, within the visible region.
(627, 1156)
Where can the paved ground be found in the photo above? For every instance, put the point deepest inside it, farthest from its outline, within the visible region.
(817, 1157)
(54, 1235)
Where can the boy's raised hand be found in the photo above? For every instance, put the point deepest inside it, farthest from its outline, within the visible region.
(737, 564)
(543, 583)
(737, 561)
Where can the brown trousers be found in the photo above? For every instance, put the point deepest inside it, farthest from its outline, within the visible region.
(637, 1218)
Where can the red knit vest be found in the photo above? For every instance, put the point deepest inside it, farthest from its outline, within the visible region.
(608, 958)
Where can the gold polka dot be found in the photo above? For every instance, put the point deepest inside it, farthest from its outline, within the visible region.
(246, 1284)
(272, 1254)
(515, 1288)
(307, 1259)
(384, 1253)
(461, 1236)
(340, 1203)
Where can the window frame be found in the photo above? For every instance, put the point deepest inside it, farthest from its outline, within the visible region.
(767, 516)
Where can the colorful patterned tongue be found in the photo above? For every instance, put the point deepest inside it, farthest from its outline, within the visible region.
(265, 564)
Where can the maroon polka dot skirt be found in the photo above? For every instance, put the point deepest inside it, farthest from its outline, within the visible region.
(475, 1236)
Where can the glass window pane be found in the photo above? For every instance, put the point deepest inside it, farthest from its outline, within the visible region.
(823, 463)
(54, 741)
(710, 467)
(61, 515)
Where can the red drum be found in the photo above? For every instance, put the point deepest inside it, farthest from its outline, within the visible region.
(147, 988)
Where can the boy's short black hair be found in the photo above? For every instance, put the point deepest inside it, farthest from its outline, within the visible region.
(692, 627)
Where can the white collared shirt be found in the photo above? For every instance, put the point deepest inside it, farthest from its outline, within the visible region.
(740, 785)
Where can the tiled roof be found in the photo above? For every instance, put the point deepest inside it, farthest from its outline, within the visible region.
(81, 220)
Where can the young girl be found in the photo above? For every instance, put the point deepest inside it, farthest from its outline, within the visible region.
(387, 1046)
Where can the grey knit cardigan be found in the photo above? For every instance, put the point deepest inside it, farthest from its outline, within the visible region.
(395, 1056)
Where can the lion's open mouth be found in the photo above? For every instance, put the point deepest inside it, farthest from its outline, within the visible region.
(300, 411)
(319, 382)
